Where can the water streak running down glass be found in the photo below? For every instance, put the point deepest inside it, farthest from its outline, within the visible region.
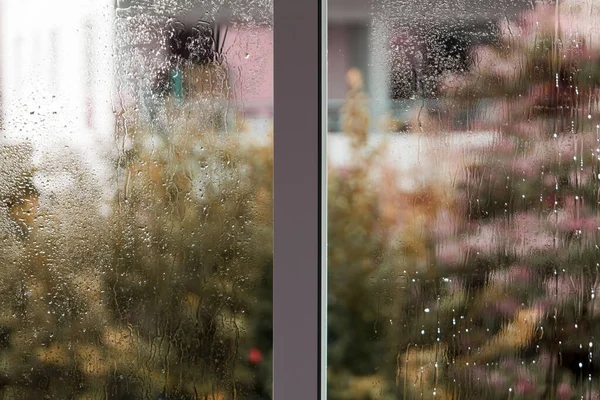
(464, 193)
(136, 199)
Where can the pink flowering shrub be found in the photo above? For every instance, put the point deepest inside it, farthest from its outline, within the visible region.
(506, 296)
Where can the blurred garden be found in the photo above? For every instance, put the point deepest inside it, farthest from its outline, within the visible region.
(469, 272)
(163, 291)
(480, 280)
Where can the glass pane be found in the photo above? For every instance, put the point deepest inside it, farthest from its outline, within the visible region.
(136, 198)
(464, 193)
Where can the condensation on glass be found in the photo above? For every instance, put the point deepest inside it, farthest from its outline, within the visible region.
(135, 199)
(464, 193)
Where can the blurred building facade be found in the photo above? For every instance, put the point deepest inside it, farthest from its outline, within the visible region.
(61, 59)
(392, 42)
(242, 35)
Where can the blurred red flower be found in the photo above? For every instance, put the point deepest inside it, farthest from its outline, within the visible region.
(255, 355)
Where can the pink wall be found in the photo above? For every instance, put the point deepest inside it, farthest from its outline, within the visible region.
(249, 52)
(338, 61)
(250, 57)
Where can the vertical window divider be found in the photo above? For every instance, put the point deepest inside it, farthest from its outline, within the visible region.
(323, 183)
(298, 323)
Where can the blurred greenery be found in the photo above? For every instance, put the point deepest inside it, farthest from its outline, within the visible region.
(167, 295)
(484, 286)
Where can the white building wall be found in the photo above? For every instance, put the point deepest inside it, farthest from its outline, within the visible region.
(56, 73)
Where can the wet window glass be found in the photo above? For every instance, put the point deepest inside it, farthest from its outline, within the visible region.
(136, 199)
(463, 199)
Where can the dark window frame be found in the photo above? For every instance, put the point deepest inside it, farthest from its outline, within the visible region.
(299, 281)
